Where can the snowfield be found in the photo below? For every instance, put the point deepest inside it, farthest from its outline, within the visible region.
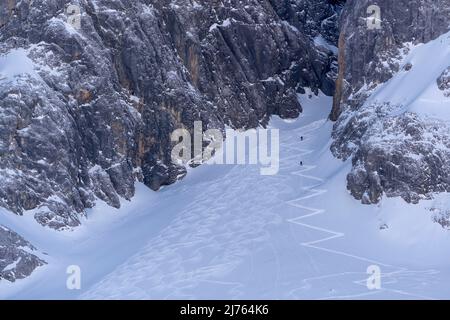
(416, 89)
(227, 232)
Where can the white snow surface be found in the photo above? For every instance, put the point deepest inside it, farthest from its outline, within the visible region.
(227, 232)
(320, 41)
(15, 63)
(416, 90)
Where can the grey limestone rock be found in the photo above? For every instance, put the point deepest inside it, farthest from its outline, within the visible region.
(393, 152)
(97, 107)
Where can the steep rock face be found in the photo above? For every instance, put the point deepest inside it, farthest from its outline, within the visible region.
(394, 150)
(87, 111)
(16, 259)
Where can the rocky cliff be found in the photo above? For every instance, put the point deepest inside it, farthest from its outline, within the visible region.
(86, 111)
(396, 136)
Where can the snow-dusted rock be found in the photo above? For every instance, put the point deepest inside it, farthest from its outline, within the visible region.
(402, 156)
(444, 82)
(16, 258)
(392, 119)
(86, 109)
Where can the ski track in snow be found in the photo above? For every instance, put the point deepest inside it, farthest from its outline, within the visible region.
(178, 279)
(196, 264)
(226, 232)
(314, 191)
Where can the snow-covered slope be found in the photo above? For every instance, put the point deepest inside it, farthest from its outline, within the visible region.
(88, 101)
(228, 232)
(415, 87)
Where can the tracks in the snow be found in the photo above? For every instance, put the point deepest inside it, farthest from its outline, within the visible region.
(315, 190)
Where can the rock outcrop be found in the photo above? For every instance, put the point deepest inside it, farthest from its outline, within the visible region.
(16, 258)
(393, 151)
(443, 82)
